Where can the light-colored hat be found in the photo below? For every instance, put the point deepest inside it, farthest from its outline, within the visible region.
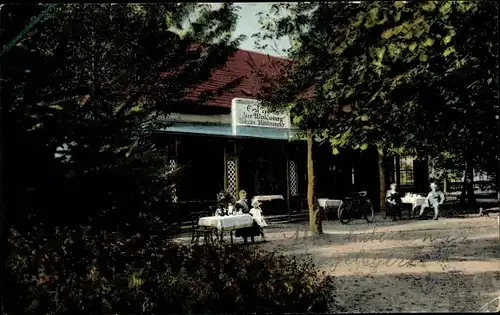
(256, 202)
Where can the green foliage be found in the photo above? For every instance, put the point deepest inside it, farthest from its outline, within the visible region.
(86, 82)
(401, 76)
(446, 165)
(85, 271)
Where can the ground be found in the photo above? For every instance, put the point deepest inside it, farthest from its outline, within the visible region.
(410, 265)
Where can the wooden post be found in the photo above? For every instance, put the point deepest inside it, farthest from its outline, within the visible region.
(237, 165)
(382, 184)
(398, 170)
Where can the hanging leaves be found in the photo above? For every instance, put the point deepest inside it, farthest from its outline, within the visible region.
(428, 42)
(429, 6)
(448, 51)
(399, 4)
(445, 8)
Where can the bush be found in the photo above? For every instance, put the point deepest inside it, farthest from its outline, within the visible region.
(85, 272)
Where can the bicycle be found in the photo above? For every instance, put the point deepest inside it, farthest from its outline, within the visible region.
(356, 207)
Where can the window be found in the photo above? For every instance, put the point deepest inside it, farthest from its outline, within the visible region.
(406, 172)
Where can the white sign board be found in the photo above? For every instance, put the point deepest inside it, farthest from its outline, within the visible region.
(248, 112)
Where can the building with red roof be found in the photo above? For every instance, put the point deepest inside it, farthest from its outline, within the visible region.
(240, 68)
(231, 143)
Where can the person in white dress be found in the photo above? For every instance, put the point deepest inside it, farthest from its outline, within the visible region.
(258, 218)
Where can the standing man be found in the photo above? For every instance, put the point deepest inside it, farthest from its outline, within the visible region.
(434, 199)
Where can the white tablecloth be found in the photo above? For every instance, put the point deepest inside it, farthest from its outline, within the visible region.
(414, 201)
(268, 197)
(231, 222)
(329, 203)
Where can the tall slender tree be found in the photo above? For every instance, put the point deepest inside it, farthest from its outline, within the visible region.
(392, 74)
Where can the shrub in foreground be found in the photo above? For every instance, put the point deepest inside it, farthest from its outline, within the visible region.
(85, 272)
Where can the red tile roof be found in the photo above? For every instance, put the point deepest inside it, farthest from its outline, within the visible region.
(243, 64)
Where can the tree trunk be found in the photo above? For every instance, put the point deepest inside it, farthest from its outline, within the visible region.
(467, 195)
(464, 188)
(381, 172)
(471, 200)
(314, 218)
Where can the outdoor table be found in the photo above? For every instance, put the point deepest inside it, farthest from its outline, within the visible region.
(415, 202)
(326, 204)
(268, 197)
(227, 223)
(329, 203)
(272, 204)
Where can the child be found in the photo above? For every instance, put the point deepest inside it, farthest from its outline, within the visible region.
(256, 213)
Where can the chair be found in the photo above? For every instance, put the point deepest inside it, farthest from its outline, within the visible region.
(197, 231)
(399, 206)
(247, 232)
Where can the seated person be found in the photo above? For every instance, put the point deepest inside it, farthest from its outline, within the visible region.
(241, 205)
(434, 199)
(256, 213)
(393, 200)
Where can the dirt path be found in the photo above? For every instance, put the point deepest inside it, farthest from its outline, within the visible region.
(449, 265)
(420, 266)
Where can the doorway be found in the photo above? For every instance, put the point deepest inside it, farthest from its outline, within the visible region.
(262, 169)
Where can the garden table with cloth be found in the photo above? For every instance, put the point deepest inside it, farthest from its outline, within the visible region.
(328, 204)
(227, 223)
(272, 204)
(268, 197)
(415, 201)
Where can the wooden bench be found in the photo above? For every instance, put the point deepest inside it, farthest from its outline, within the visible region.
(486, 212)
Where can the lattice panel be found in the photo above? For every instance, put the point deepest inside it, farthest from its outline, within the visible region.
(294, 180)
(231, 177)
(173, 165)
(175, 199)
